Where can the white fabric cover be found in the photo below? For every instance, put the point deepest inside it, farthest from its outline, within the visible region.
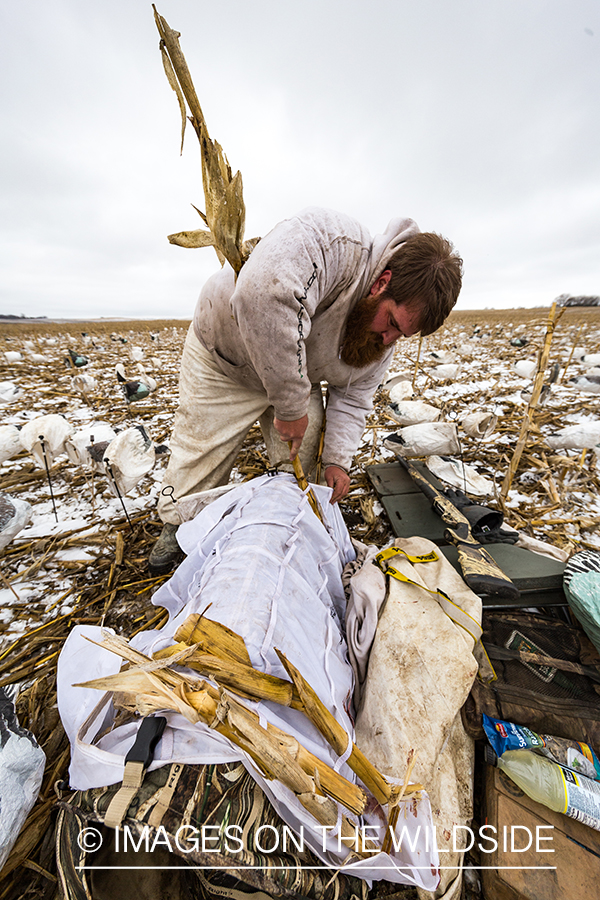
(267, 568)
(458, 474)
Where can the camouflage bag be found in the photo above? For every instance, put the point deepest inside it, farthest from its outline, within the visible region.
(175, 827)
(548, 677)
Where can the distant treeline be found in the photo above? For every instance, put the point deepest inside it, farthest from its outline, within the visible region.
(28, 318)
(568, 300)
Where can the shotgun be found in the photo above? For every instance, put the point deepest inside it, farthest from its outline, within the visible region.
(480, 571)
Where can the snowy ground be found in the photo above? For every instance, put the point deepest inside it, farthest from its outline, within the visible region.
(53, 567)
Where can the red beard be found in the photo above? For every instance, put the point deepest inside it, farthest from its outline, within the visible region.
(361, 346)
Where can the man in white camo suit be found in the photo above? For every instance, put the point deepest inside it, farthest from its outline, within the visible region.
(318, 301)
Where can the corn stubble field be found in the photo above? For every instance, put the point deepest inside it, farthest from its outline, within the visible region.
(90, 565)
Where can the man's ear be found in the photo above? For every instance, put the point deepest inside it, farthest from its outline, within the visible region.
(381, 283)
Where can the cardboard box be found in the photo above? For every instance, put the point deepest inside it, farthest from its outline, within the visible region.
(571, 872)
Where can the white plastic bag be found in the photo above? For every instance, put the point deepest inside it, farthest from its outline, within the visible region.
(22, 763)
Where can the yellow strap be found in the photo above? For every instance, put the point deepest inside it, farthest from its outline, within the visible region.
(454, 612)
(393, 551)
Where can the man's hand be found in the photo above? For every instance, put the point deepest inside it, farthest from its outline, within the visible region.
(339, 480)
(291, 431)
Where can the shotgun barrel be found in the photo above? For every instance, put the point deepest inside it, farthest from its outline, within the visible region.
(480, 570)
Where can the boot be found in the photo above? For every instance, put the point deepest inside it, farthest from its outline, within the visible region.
(166, 553)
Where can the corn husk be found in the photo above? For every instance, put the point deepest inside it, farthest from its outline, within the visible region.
(277, 754)
(210, 637)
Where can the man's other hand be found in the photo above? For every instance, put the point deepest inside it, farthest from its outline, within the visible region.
(291, 432)
(339, 481)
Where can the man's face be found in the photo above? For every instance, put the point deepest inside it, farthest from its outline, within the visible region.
(376, 322)
(393, 320)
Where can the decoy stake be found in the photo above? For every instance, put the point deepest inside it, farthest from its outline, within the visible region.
(48, 475)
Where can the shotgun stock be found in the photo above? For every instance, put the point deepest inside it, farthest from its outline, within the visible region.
(480, 571)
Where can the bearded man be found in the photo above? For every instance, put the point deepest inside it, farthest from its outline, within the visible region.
(318, 302)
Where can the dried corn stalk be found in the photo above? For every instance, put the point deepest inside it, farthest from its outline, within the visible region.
(314, 783)
(152, 686)
(223, 195)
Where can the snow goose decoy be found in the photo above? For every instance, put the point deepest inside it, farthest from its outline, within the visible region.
(446, 372)
(15, 514)
(84, 383)
(87, 446)
(10, 442)
(413, 412)
(44, 437)
(588, 383)
(129, 457)
(525, 368)
(9, 392)
(443, 357)
(590, 360)
(527, 393)
(583, 436)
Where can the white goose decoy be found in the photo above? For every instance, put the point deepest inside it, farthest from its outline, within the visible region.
(588, 383)
(445, 372)
(137, 354)
(13, 356)
(9, 392)
(399, 387)
(129, 457)
(590, 360)
(443, 357)
(413, 412)
(44, 437)
(583, 436)
(10, 442)
(525, 367)
(84, 383)
(426, 439)
(15, 514)
(81, 445)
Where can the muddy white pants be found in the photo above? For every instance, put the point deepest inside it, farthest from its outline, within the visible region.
(213, 418)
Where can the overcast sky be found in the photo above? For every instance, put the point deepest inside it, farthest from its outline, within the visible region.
(477, 118)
